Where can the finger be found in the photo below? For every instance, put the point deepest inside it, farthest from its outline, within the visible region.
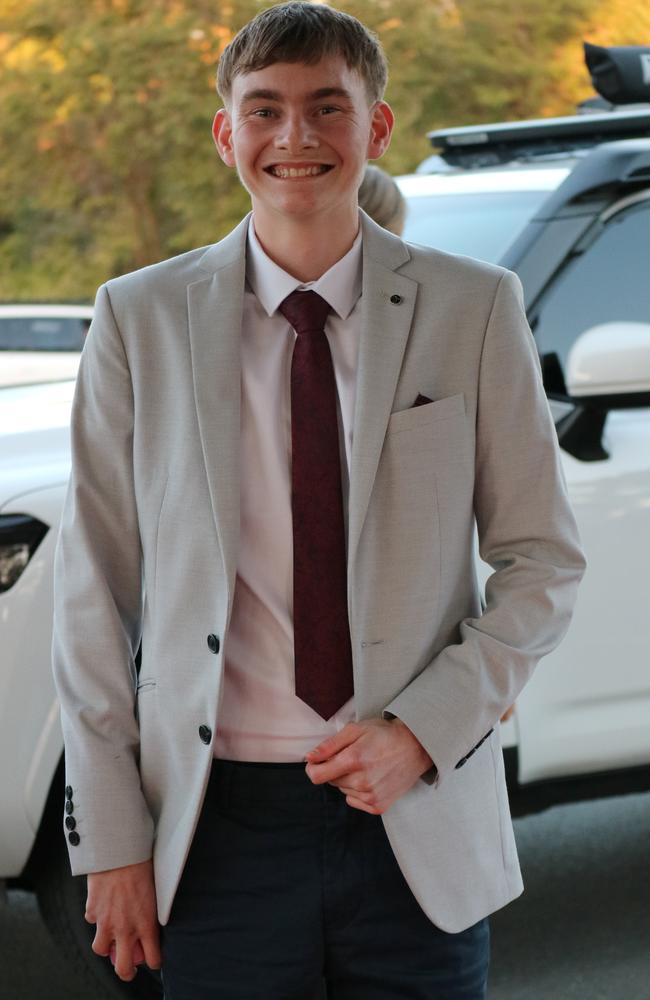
(151, 947)
(124, 967)
(138, 953)
(334, 744)
(346, 788)
(337, 767)
(101, 942)
(363, 806)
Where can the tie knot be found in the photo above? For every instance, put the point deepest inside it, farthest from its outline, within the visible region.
(305, 311)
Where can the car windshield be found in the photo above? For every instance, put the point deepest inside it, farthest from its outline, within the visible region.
(482, 224)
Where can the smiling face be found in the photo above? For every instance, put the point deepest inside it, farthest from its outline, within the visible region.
(299, 137)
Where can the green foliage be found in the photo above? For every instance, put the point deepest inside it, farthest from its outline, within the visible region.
(108, 160)
(105, 113)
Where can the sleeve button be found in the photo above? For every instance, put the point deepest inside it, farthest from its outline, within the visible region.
(213, 642)
(69, 808)
(70, 822)
(205, 734)
(74, 838)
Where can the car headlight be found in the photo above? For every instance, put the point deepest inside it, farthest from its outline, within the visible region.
(20, 536)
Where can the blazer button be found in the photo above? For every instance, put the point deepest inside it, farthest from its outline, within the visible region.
(213, 642)
(74, 839)
(69, 808)
(205, 734)
(68, 791)
(70, 822)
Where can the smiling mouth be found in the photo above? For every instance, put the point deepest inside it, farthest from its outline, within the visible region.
(290, 172)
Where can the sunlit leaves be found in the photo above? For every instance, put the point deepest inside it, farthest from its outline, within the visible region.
(106, 106)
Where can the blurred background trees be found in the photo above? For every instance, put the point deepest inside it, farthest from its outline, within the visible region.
(106, 158)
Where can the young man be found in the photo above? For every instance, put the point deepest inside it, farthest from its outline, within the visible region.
(281, 445)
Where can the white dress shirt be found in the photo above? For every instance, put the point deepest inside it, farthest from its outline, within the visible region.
(260, 717)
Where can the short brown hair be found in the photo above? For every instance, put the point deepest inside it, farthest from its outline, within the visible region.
(300, 31)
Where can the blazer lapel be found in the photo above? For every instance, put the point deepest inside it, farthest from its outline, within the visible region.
(387, 304)
(215, 305)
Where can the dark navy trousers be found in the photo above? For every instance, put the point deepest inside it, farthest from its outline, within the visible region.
(288, 893)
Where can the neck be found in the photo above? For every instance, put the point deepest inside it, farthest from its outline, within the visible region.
(300, 247)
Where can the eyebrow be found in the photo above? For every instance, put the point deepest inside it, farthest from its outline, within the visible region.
(275, 95)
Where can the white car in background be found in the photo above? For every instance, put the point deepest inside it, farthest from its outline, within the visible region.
(41, 343)
(569, 210)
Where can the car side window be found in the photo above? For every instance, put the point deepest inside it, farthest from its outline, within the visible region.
(609, 282)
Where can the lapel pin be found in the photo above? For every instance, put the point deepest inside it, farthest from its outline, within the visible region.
(396, 299)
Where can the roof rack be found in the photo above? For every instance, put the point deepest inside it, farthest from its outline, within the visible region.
(503, 142)
(621, 77)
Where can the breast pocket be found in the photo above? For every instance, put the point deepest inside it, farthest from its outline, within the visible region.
(426, 415)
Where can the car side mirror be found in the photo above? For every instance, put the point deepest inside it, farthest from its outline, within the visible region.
(611, 359)
(608, 368)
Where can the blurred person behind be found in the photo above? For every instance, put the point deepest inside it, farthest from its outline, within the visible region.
(382, 199)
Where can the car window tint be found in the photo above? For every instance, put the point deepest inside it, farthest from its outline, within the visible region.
(610, 282)
(479, 225)
(42, 333)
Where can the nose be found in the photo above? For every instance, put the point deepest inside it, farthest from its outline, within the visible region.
(295, 134)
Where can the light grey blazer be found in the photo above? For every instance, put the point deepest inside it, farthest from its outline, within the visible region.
(149, 537)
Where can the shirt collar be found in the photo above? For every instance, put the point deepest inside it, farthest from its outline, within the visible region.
(340, 286)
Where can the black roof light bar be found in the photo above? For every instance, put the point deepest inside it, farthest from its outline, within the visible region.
(502, 142)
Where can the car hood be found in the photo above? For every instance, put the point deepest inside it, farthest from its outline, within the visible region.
(30, 367)
(34, 437)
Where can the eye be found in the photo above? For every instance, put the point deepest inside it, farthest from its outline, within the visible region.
(328, 109)
(263, 112)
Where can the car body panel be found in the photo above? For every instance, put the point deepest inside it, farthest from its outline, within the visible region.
(30, 733)
(34, 437)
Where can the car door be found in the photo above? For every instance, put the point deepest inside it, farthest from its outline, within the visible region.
(587, 706)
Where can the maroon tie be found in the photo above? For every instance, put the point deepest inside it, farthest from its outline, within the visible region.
(323, 654)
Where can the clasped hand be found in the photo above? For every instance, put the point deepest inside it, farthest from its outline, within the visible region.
(122, 903)
(372, 762)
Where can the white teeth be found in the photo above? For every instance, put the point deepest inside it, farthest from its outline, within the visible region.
(298, 171)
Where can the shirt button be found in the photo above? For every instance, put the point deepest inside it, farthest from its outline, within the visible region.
(213, 642)
(205, 733)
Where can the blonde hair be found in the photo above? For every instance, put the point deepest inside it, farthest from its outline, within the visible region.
(381, 198)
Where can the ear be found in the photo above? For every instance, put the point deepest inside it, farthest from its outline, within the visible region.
(381, 128)
(222, 135)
